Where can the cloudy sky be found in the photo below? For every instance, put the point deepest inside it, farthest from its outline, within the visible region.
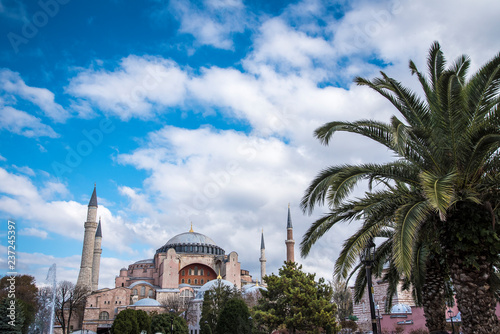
(199, 112)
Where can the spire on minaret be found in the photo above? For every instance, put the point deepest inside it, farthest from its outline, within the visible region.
(262, 257)
(262, 246)
(191, 230)
(289, 221)
(289, 242)
(98, 233)
(93, 198)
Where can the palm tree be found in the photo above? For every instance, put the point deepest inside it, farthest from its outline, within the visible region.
(428, 277)
(448, 148)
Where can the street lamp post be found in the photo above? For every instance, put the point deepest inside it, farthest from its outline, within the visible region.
(172, 311)
(450, 313)
(367, 257)
(378, 319)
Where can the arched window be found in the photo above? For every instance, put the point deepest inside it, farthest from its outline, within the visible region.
(195, 281)
(135, 292)
(104, 315)
(122, 284)
(182, 281)
(143, 290)
(201, 272)
(183, 272)
(189, 281)
(201, 281)
(196, 270)
(150, 293)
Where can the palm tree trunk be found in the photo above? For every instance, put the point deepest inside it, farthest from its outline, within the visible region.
(470, 240)
(433, 296)
(475, 298)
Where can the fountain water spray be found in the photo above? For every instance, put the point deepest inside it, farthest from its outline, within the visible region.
(51, 278)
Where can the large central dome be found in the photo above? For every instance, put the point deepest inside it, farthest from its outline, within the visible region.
(192, 242)
(191, 238)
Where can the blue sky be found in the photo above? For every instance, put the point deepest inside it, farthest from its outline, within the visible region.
(199, 112)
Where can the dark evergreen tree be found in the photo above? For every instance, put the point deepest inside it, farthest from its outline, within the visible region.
(296, 301)
(162, 323)
(143, 321)
(11, 316)
(126, 323)
(234, 318)
(213, 302)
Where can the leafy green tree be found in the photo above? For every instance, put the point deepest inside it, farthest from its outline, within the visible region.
(234, 318)
(11, 316)
(448, 147)
(294, 300)
(161, 323)
(214, 300)
(26, 291)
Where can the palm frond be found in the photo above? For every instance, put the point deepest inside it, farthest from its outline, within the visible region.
(439, 190)
(409, 218)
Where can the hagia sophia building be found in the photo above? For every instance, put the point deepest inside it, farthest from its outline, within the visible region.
(181, 270)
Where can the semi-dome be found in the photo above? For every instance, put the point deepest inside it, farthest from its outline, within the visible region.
(252, 289)
(192, 242)
(401, 309)
(147, 302)
(212, 284)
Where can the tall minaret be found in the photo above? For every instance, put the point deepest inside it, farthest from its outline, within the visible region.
(262, 258)
(85, 276)
(290, 243)
(97, 257)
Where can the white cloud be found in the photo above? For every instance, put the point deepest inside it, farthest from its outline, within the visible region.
(289, 50)
(140, 87)
(24, 169)
(12, 83)
(212, 24)
(34, 232)
(22, 123)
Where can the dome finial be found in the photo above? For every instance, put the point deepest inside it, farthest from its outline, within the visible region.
(191, 230)
(219, 276)
(257, 283)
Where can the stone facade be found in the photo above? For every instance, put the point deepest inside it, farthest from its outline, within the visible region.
(177, 271)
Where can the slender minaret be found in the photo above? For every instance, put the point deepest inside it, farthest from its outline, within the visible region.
(290, 243)
(262, 257)
(96, 263)
(85, 276)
